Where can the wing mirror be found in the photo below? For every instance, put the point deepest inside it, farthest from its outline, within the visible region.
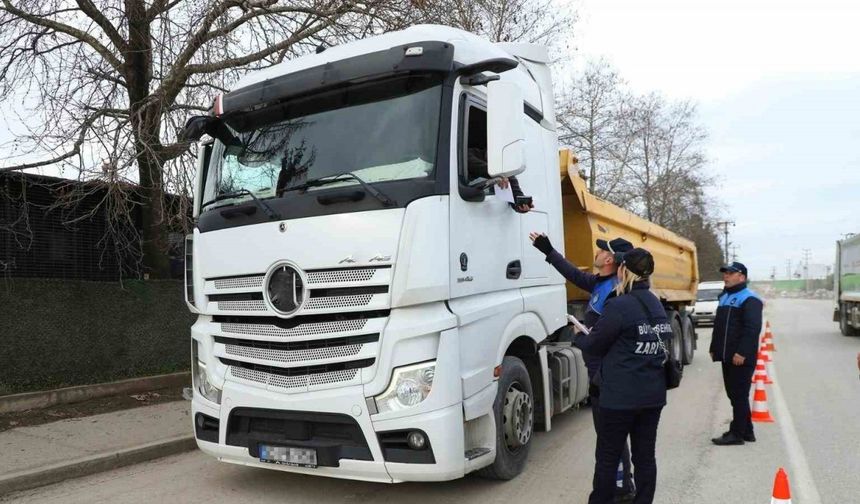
(197, 126)
(505, 130)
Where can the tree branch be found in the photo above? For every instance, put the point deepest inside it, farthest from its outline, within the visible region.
(68, 30)
(93, 13)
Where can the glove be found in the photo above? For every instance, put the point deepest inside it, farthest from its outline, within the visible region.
(542, 243)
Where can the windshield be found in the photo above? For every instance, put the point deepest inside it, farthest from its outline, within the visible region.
(709, 294)
(380, 132)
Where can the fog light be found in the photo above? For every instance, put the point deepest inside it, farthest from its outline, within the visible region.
(416, 440)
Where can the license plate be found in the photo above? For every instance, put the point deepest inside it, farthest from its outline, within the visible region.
(287, 455)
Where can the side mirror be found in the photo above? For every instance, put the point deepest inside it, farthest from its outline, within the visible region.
(505, 132)
(196, 127)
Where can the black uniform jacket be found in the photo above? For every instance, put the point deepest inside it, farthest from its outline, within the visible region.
(737, 325)
(629, 340)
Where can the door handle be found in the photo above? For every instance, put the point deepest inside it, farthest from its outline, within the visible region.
(514, 270)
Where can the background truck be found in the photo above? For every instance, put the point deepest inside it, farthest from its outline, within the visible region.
(368, 306)
(676, 271)
(846, 285)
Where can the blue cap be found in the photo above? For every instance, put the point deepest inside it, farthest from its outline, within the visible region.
(734, 267)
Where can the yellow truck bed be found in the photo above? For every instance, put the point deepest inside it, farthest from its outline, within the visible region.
(588, 218)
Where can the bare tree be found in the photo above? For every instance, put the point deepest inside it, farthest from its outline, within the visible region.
(665, 173)
(546, 22)
(590, 119)
(113, 82)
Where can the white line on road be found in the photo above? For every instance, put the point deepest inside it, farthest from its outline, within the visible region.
(801, 480)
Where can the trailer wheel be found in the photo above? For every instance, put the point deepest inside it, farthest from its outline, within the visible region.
(514, 411)
(847, 329)
(689, 340)
(677, 346)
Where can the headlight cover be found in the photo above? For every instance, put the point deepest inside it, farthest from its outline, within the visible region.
(205, 387)
(409, 386)
(201, 380)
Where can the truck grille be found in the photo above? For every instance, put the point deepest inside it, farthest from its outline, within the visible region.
(325, 344)
(245, 282)
(271, 330)
(297, 377)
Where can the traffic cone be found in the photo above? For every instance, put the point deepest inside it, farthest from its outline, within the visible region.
(761, 372)
(764, 352)
(768, 338)
(760, 412)
(781, 493)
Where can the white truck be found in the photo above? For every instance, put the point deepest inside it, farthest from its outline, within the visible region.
(369, 305)
(846, 285)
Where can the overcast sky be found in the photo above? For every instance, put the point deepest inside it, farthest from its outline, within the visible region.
(778, 88)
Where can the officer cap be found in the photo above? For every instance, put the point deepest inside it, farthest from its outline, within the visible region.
(734, 267)
(616, 246)
(639, 261)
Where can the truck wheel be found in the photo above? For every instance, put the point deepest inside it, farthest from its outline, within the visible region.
(676, 346)
(847, 330)
(689, 340)
(514, 410)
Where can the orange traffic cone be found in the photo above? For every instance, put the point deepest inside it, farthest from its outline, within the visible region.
(760, 412)
(764, 352)
(761, 372)
(781, 493)
(768, 338)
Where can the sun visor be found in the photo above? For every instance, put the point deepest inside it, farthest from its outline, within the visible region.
(429, 56)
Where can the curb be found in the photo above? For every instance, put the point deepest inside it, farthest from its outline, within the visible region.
(68, 395)
(32, 478)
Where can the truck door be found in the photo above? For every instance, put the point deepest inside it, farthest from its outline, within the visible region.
(486, 249)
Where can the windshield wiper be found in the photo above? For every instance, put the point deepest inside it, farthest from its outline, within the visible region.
(330, 179)
(244, 192)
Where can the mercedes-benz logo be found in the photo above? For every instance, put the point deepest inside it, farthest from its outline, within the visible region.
(285, 289)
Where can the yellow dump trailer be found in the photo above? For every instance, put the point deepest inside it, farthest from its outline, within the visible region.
(588, 218)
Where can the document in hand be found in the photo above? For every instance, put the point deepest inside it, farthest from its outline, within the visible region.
(505, 194)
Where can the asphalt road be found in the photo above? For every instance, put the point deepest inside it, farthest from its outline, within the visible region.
(816, 404)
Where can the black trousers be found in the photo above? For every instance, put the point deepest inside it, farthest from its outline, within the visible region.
(615, 426)
(627, 485)
(738, 380)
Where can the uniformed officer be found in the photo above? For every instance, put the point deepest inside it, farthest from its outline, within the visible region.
(601, 286)
(734, 343)
(629, 337)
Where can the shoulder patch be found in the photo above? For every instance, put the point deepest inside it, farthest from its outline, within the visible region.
(736, 299)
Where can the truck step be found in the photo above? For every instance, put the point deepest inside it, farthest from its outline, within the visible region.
(473, 453)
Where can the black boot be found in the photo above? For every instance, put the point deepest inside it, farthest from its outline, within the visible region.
(728, 439)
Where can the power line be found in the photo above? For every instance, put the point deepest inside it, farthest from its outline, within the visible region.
(807, 254)
(724, 225)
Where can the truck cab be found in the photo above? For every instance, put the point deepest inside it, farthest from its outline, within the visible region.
(369, 305)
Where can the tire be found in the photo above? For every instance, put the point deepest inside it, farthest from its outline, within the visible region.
(844, 327)
(514, 414)
(677, 344)
(689, 346)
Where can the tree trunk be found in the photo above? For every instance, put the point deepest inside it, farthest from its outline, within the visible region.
(146, 122)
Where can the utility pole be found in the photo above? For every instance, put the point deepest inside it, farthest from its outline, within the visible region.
(806, 255)
(788, 269)
(773, 273)
(724, 225)
(734, 252)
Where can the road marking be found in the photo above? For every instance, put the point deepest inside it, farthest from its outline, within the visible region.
(801, 477)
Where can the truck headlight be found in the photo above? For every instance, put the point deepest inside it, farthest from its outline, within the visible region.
(201, 379)
(205, 387)
(409, 386)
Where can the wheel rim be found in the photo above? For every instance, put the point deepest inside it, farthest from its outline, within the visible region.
(688, 341)
(517, 417)
(676, 340)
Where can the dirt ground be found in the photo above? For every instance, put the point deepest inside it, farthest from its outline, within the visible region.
(88, 408)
